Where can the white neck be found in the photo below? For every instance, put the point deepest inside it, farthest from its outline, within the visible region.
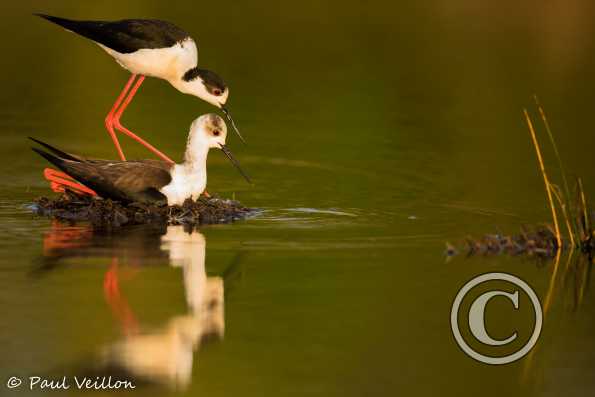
(189, 179)
(197, 149)
(186, 87)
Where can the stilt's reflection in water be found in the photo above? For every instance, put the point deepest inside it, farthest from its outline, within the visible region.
(167, 355)
(163, 356)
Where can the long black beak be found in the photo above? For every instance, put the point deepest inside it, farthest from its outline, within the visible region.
(228, 115)
(227, 152)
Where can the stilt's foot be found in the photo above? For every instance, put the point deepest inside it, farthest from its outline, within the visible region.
(59, 181)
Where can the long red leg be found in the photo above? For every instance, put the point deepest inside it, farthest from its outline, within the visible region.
(59, 180)
(120, 127)
(109, 119)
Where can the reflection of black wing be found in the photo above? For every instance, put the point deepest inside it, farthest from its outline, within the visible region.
(63, 242)
(125, 36)
(233, 273)
(127, 181)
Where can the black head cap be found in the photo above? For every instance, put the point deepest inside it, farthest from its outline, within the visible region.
(215, 84)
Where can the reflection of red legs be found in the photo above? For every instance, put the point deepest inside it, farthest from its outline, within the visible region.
(62, 237)
(113, 119)
(118, 303)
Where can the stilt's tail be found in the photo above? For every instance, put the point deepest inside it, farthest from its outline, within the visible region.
(56, 151)
(94, 30)
(55, 160)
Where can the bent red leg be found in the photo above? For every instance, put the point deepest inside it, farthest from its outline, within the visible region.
(120, 127)
(50, 173)
(109, 119)
(60, 180)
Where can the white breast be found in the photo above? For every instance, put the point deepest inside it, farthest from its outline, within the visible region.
(164, 63)
(184, 184)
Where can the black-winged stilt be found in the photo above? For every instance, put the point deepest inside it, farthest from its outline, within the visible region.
(155, 48)
(149, 181)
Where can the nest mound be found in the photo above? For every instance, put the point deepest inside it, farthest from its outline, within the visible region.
(107, 213)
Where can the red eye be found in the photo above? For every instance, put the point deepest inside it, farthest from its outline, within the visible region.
(217, 92)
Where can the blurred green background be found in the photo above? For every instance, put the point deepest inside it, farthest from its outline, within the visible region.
(376, 131)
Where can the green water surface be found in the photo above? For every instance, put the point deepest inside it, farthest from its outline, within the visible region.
(377, 131)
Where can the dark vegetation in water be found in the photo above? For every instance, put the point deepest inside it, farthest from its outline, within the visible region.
(572, 220)
(540, 242)
(105, 213)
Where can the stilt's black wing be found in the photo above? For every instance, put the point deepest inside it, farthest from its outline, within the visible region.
(138, 180)
(125, 181)
(125, 36)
